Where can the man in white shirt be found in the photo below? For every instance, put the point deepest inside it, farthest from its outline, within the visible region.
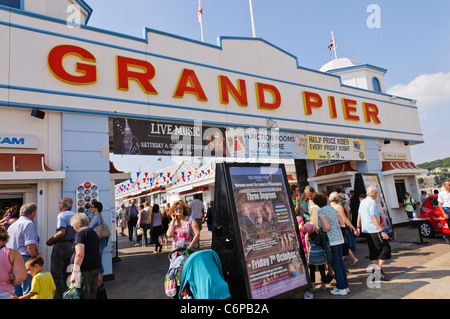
(444, 205)
(197, 210)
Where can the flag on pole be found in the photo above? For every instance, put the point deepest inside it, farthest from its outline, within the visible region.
(200, 18)
(330, 46)
(200, 12)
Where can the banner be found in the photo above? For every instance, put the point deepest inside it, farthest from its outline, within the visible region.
(323, 147)
(264, 143)
(147, 137)
(266, 223)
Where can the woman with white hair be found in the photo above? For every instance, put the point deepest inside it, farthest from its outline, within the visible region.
(86, 259)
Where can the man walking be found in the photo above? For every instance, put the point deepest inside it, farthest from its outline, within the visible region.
(444, 206)
(197, 212)
(62, 242)
(377, 239)
(24, 238)
(132, 217)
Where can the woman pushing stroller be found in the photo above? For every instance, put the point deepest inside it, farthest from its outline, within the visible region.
(183, 228)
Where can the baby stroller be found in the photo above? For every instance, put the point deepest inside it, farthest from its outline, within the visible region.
(200, 276)
(173, 276)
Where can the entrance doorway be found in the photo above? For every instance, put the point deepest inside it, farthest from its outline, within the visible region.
(10, 200)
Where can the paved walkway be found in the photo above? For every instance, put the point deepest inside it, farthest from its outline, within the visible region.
(416, 271)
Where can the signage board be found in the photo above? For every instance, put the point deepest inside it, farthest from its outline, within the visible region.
(148, 137)
(18, 141)
(362, 182)
(268, 240)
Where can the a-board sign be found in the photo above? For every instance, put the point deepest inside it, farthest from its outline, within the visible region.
(362, 182)
(267, 238)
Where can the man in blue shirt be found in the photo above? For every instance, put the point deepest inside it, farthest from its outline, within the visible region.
(132, 217)
(24, 239)
(62, 242)
(369, 224)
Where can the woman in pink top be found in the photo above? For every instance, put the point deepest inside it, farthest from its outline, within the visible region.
(11, 263)
(183, 228)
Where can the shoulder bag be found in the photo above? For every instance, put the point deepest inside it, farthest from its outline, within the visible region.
(102, 230)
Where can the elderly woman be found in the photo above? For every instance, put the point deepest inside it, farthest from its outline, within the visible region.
(86, 259)
(183, 228)
(329, 221)
(11, 263)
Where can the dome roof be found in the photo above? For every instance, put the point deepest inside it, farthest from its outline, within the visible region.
(339, 64)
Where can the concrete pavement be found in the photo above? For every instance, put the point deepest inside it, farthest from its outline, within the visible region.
(416, 271)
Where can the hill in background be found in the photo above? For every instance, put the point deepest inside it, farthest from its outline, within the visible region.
(444, 163)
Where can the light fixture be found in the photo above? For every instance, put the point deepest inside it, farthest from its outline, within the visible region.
(38, 113)
(406, 143)
(387, 141)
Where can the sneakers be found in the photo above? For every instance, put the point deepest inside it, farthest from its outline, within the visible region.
(384, 277)
(339, 292)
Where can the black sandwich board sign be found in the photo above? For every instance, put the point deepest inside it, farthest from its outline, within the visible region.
(255, 232)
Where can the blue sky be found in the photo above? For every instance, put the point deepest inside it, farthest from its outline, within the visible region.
(411, 43)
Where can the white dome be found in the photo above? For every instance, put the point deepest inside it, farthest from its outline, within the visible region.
(338, 64)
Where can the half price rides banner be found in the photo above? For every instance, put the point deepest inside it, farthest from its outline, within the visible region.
(324, 147)
(269, 240)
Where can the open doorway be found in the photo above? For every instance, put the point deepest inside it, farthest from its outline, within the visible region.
(9, 200)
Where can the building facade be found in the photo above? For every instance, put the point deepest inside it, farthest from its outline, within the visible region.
(62, 84)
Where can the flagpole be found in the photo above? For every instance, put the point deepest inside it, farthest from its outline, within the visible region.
(334, 45)
(200, 17)
(253, 19)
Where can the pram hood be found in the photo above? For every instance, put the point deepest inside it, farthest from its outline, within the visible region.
(203, 271)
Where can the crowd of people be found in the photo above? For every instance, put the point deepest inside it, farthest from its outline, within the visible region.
(327, 225)
(329, 232)
(152, 225)
(76, 257)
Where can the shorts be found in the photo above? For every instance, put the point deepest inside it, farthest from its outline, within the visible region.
(379, 248)
(199, 223)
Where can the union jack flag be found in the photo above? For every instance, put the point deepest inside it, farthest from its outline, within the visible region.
(330, 46)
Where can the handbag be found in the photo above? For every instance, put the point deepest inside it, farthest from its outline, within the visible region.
(327, 247)
(101, 291)
(139, 231)
(73, 292)
(102, 230)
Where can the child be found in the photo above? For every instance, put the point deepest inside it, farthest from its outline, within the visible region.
(302, 233)
(42, 284)
(316, 257)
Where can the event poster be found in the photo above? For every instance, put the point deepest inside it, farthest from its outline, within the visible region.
(270, 241)
(373, 180)
(149, 137)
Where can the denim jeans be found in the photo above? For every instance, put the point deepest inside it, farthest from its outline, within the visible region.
(338, 267)
(24, 287)
(144, 236)
(101, 247)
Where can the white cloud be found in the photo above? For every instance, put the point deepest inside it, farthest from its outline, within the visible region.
(428, 89)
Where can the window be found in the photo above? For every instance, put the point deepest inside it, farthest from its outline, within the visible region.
(401, 190)
(11, 3)
(376, 84)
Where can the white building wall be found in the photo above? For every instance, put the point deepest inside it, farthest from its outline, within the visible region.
(84, 159)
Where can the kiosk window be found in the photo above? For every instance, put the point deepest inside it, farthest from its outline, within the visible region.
(400, 189)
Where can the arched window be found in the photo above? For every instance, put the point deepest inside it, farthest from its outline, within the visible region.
(376, 84)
